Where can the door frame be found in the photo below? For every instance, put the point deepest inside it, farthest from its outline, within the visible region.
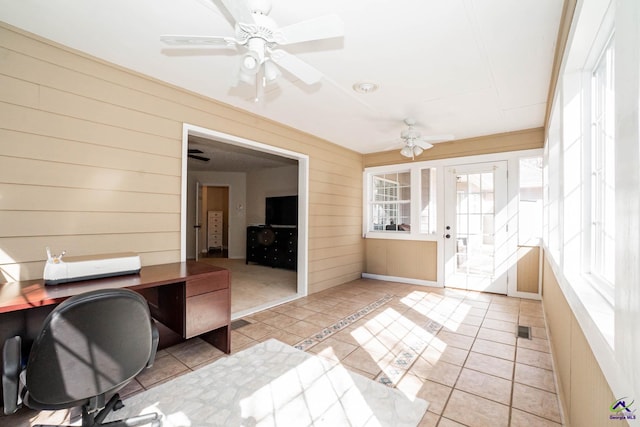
(507, 272)
(303, 193)
(512, 158)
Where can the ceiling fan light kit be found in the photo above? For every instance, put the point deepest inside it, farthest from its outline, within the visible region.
(415, 143)
(260, 36)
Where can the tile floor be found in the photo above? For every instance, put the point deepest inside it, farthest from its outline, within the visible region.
(456, 349)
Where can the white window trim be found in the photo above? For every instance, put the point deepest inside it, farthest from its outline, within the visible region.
(512, 157)
(597, 319)
(603, 41)
(415, 234)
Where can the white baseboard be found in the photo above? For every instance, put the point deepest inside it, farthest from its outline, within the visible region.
(406, 280)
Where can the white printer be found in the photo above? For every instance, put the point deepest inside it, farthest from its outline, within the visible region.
(72, 269)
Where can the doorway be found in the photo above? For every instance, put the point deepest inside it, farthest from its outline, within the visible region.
(476, 227)
(231, 161)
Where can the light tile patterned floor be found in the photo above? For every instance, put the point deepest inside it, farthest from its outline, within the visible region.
(456, 349)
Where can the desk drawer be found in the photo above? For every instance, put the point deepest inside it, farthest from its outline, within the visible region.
(206, 312)
(207, 284)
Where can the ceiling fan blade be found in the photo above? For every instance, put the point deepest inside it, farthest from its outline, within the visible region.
(422, 144)
(322, 27)
(201, 158)
(195, 151)
(240, 11)
(180, 40)
(296, 66)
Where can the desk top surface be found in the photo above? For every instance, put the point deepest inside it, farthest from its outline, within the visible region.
(33, 293)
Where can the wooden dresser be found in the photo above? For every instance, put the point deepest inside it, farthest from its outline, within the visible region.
(273, 246)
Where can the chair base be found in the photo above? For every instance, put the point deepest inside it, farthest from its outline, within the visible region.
(88, 420)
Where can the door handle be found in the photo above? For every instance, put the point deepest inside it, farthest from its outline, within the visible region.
(448, 236)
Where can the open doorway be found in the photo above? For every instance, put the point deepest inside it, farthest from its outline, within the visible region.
(244, 174)
(213, 230)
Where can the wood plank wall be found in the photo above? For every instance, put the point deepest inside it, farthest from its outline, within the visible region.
(90, 162)
(412, 259)
(584, 392)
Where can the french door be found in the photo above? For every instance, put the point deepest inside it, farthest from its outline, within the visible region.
(476, 227)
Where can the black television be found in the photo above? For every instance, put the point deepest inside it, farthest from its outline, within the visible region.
(281, 210)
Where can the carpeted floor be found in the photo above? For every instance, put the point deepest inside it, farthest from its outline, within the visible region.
(254, 285)
(273, 384)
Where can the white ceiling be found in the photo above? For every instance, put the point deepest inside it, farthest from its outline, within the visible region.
(462, 67)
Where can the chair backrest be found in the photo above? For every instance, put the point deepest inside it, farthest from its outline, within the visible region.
(91, 344)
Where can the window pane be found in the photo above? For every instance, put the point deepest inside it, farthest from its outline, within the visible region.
(530, 206)
(603, 168)
(428, 201)
(390, 205)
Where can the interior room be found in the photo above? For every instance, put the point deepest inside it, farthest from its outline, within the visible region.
(350, 213)
(245, 191)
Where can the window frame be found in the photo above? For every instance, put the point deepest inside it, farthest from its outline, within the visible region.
(596, 166)
(415, 201)
(391, 205)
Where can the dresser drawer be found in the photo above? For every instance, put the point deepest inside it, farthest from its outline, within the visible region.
(206, 312)
(208, 284)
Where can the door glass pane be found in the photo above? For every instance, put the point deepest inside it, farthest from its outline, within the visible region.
(475, 203)
(487, 182)
(461, 184)
(474, 183)
(475, 225)
(487, 203)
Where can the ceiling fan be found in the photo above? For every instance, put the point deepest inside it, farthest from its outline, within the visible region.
(259, 38)
(194, 153)
(415, 143)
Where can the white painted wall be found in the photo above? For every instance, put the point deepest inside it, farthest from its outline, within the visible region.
(268, 183)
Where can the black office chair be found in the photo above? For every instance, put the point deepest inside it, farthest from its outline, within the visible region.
(89, 347)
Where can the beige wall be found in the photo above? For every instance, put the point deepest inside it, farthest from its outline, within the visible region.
(528, 269)
(412, 259)
(90, 162)
(584, 392)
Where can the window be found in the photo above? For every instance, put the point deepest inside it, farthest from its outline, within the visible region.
(602, 256)
(398, 199)
(391, 202)
(428, 201)
(530, 204)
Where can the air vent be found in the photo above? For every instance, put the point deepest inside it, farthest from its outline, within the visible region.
(524, 332)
